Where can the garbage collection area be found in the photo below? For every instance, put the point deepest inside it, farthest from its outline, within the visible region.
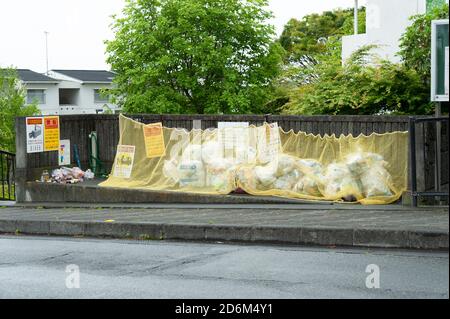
(261, 161)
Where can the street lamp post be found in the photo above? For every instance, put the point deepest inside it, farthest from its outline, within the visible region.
(46, 51)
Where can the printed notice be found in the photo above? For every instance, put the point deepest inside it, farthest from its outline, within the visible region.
(51, 133)
(235, 138)
(35, 134)
(268, 142)
(64, 152)
(124, 161)
(154, 140)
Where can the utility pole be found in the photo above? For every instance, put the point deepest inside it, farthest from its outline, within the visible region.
(355, 18)
(46, 51)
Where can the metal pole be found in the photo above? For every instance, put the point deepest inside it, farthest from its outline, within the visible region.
(355, 18)
(437, 179)
(412, 147)
(46, 51)
(1, 168)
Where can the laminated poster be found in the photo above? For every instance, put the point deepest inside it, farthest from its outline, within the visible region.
(124, 161)
(51, 133)
(64, 152)
(35, 134)
(235, 139)
(154, 140)
(269, 142)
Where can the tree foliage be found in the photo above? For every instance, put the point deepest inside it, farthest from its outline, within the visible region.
(359, 87)
(415, 44)
(12, 104)
(303, 39)
(194, 56)
(307, 39)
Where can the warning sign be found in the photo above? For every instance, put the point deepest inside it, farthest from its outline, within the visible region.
(124, 161)
(154, 140)
(35, 134)
(51, 133)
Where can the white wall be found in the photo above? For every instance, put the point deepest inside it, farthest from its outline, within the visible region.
(386, 21)
(51, 96)
(87, 96)
(85, 103)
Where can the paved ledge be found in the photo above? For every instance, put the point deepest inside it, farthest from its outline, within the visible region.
(425, 228)
(90, 192)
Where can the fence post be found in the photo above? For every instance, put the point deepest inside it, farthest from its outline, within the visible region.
(21, 159)
(412, 152)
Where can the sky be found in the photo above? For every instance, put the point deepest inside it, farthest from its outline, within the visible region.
(77, 28)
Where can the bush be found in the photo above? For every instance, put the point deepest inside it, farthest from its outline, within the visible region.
(12, 104)
(358, 87)
(415, 44)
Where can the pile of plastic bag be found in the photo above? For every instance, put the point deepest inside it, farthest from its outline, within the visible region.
(267, 161)
(66, 175)
(357, 175)
(203, 165)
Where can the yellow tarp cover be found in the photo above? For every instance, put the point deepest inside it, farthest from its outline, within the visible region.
(263, 160)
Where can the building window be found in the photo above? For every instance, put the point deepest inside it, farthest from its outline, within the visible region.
(35, 95)
(99, 97)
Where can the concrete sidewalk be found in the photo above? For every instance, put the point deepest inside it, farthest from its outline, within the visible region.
(330, 225)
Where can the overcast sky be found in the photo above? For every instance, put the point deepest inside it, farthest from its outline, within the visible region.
(77, 29)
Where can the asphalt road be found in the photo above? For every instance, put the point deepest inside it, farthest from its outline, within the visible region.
(42, 267)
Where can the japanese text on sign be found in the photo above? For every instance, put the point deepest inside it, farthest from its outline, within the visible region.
(154, 140)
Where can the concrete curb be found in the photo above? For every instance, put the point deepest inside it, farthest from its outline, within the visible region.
(35, 192)
(234, 233)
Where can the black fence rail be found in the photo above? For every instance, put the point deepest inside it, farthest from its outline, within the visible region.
(7, 175)
(438, 147)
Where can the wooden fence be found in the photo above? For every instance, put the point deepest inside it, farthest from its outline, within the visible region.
(77, 128)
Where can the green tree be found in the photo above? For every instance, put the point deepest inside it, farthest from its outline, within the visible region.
(303, 39)
(12, 104)
(194, 56)
(415, 43)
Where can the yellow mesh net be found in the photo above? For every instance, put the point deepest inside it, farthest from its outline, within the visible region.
(262, 160)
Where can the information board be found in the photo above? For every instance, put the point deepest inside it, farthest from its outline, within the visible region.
(439, 60)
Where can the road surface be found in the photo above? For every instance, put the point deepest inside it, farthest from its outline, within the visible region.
(54, 267)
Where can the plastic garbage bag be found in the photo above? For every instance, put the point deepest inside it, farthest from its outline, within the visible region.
(266, 174)
(285, 164)
(340, 183)
(287, 181)
(307, 185)
(192, 152)
(220, 174)
(211, 151)
(191, 173)
(88, 174)
(77, 173)
(375, 181)
(170, 170)
(310, 166)
(246, 176)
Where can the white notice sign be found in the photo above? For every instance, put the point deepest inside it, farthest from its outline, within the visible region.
(124, 161)
(35, 134)
(64, 152)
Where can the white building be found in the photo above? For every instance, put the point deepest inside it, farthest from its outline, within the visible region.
(68, 91)
(386, 21)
